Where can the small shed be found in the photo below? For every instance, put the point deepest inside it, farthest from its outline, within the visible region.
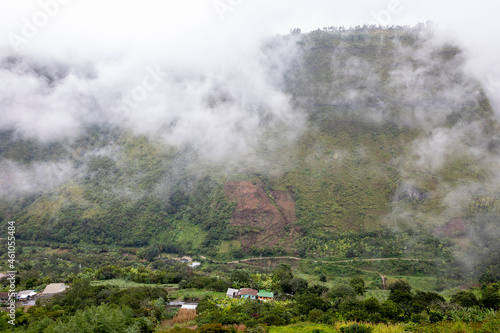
(189, 306)
(232, 293)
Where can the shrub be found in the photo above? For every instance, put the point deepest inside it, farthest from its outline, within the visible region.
(465, 299)
(490, 298)
(215, 328)
(315, 315)
(358, 284)
(343, 292)
(356, 328)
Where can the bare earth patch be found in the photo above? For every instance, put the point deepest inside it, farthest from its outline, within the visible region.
(272, 223)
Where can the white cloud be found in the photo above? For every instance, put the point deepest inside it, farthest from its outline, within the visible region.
(220, 93)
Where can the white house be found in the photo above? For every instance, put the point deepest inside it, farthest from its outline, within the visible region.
(25, 295)
(233, 293)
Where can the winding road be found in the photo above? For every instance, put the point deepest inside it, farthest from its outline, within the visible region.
(325, 261)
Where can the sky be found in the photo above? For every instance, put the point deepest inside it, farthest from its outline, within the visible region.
(117, 59)
(207, 30)
(197, 30)
(76, 25)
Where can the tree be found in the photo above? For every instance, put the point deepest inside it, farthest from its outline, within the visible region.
(342, 292)
(240, 277)
(427, 298)
(372, 305)
(103, 318)
(315, 315)
(358, 284)
(158, 309)
(282, 277)
(392, 311)
(465, 299)
(282, 273)
(317, 290)
(306, 302)
(297, 285)
(400, 293)
(400, 285)
(152, 252)
(490, 298)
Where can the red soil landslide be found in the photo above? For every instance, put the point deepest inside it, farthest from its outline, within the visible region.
(271, 225)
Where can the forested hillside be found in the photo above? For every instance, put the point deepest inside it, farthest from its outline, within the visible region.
(390, 136)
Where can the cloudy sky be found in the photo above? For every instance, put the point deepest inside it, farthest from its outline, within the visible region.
(122, 42)
(94, 27)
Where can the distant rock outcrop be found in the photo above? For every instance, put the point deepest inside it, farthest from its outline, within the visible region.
(409, 192)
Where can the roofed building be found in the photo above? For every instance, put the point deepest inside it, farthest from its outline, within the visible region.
(233, 293)
(264, 295)
(248, 293)
(25, 295)
(4, 297)
(53, 289)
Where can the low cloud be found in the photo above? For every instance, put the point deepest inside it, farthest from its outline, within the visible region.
(41, 177)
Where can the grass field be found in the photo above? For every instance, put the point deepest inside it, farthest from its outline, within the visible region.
(195, 293)
(310, 327)
(302, 327)
(424, 283)
(129, 284)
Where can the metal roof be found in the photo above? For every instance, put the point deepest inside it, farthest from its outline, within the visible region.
(54, 288)
(248, 291)
(264, 293)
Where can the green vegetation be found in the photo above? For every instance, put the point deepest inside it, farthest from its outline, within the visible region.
(367, 200)
(127, 284)
(109, 294)
(347, 172)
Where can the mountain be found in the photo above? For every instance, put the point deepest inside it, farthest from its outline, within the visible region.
(358, 133)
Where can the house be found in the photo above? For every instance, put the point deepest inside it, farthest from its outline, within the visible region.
(4, 297)
(248, 293)
(233, 293)
(185, 259)
(194, 264)
(25, 295)
(264, 295)
(54, 288)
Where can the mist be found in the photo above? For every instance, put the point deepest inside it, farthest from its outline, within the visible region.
(87, 62)
(207, 77)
